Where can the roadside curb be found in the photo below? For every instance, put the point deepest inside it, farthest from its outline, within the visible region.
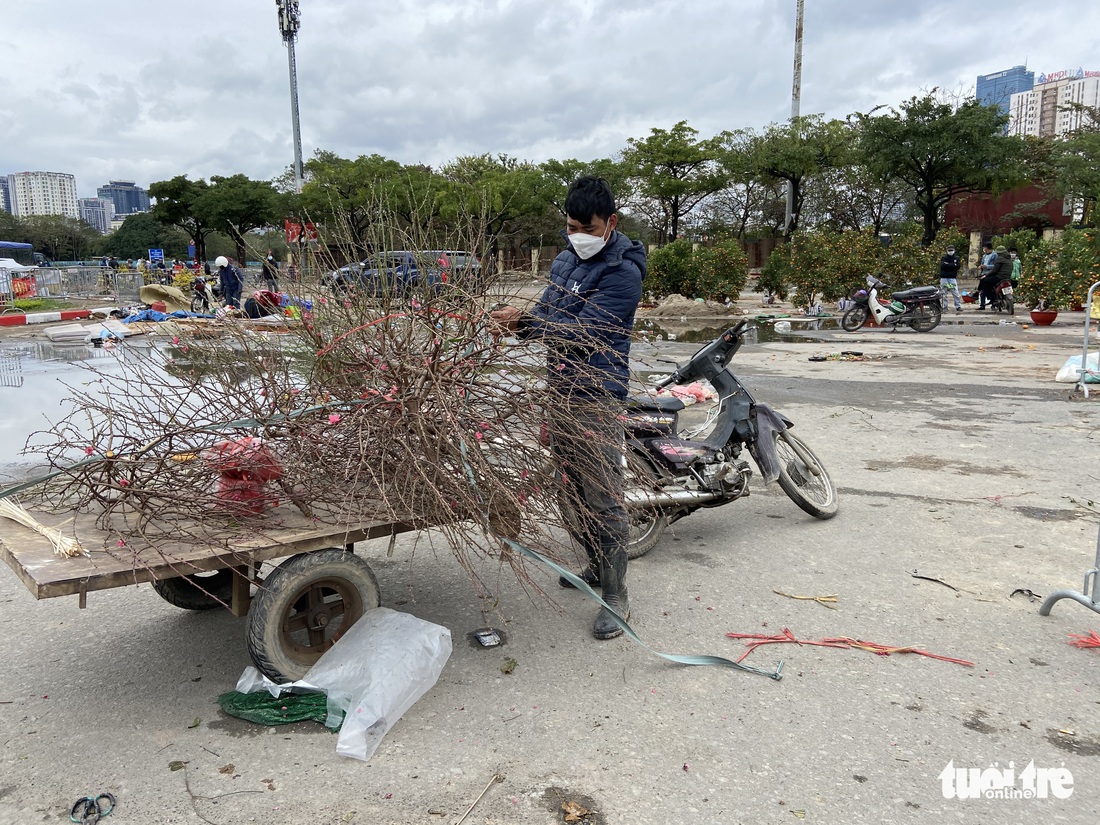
(19, 319)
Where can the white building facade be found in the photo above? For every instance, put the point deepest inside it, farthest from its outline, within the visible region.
(43, 193)
(1046, 110)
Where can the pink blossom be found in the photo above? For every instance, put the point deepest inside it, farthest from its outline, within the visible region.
(175, 339)
(334, 418)
(122, 482)
(478, 436)
(88, 451)
(524, 474)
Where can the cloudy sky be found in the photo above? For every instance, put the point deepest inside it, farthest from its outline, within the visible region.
(147, 89)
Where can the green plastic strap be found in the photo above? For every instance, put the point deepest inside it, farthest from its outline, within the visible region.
(577, 582)
(679, 658)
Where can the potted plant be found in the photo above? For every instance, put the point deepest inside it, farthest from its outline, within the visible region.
(1043, 287)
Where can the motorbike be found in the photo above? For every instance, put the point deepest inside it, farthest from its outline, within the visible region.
(1003, 300)
(202, 295)
(668, 476)
(919, 307)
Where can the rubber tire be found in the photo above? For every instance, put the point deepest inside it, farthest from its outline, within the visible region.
(203, 591)
(854, 318)
(350, 584)
(793, 482)
(931, 323)
(197, 305)
(1010, 304)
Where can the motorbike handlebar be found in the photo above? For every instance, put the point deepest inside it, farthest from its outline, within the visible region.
(721, 348)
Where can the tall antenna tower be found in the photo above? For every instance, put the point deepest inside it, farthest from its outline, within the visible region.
(289, 23)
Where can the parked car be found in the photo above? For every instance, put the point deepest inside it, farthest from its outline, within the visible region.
(389, 273)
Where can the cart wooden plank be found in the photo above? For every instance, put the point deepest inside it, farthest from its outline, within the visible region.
(109, 565)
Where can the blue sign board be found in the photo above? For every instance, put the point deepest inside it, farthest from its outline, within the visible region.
(156, 254)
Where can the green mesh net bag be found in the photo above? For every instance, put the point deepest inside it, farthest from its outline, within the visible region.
(264, 709)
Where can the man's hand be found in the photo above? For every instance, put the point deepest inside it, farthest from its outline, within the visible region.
(506, 319)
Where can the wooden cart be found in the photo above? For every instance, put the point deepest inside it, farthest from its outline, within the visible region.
(294, 614)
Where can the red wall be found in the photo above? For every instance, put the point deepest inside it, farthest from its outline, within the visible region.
(1029, 206)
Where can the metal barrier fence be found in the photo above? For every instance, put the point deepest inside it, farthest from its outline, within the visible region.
(81, 282)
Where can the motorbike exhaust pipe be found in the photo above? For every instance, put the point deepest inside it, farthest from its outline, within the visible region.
(636, 499)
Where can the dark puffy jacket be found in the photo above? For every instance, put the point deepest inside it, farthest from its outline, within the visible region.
(585, 317)
(949, 266)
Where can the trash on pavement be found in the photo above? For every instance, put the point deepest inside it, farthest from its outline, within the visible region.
(1071, 370)
(371, 676)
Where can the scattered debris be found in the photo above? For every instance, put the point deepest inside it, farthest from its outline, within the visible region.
(842, 642)
(1031, 597)
(1089, 639)
(508, 666)
(916, 575)
(849, 355)
(497, 777)
(574, 811)
(824, 601)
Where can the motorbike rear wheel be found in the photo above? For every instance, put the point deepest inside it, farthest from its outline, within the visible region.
(1010, 304)
(926, 317)
(647, 525)
(854, 318)
(813, 492)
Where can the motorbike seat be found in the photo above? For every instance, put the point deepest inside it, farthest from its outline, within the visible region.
(662, 403)
(916, 293)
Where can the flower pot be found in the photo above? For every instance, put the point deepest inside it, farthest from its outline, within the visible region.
(1043, 317)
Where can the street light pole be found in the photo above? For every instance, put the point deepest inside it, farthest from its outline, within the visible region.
(796, 99)
(289, 23)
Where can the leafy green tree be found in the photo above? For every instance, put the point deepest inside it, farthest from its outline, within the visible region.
(182, 202)
(676, 171)
(491, 197)
(940, 150)
(61, 238)
(141, 232)
(237, 205)
(747, 202)
(1076, 164)
(799, 150)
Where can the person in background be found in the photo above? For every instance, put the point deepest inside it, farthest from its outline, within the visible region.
(985, 273)
(230, 281)
(949, 276)
(271, 272)
(584, 319)
(1017, 268)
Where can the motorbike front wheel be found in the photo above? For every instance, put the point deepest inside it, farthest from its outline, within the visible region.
(806, 484)
(926, 317)
(854, 318)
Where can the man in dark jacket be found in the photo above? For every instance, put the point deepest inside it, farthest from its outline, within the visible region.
(1000, 270)
(584, 318)
(230, 281)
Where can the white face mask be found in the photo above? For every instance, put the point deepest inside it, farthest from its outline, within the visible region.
(588, 245)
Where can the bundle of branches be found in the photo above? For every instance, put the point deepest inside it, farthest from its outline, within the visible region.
(395, 407)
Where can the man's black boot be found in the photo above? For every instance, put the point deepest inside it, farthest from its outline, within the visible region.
(591, 573)
(613, 576)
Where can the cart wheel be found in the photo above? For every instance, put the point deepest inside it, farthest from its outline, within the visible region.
(201, 591)
(304, 607)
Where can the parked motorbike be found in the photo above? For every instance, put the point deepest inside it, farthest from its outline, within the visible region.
(669, 477)
(918, 307)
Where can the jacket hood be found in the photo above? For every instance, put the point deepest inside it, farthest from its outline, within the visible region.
(619, 247)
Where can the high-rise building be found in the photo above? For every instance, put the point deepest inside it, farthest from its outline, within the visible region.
(98, 213)
(5, 198)
(1048, 109)
(126, 195)
(996, 89)
(43, 193)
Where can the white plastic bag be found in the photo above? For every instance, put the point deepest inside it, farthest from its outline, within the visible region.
(1071, 370)
(371, 676)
